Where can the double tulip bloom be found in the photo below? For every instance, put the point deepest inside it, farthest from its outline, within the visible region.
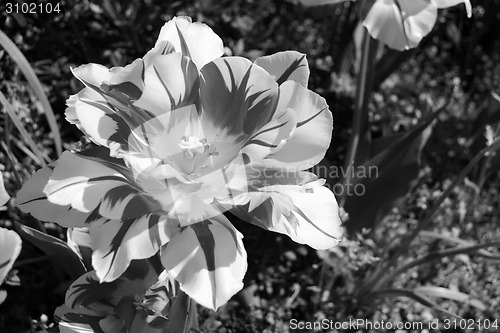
(180, 137)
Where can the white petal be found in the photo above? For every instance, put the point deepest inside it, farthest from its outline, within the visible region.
(4, 196)
(237, 97)
(126, 79)
(208, 260)
(315, 219)
(79, 241)
(117, 242)
(80, 182)
(65, 327)
(92, 75)
(31, 199)
(308, 214)
(93, 187)
(451, 3)
(194, 40)
(170, 82)
(419, 19)
(10, 247)
(311, 137)
(288, 65)
(92, 114)
(401, 27)
(272, 137)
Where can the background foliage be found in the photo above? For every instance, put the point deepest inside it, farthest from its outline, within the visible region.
(456, 66)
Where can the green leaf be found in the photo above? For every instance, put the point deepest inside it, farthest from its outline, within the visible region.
(450, 252)
(377, 184)
(183, 315)
(420, 298)
(18, 57)
(361, 136)
(455, 240)
(433, 257)
(454, 295)
(55, 248)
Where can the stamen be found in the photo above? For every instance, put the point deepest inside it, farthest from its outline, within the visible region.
(196, 152)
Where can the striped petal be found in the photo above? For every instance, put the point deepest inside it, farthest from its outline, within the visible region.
(194, 40)
(259, 175)
(80, 182)
(208, 260)
(79, 327)
(79, 241)
(92, 187)
(88, 296)
(311, 137)
(31, 199)
(171, 82)
(237, 98)
(271, 137)
(287, 65)
(318, 228)
(119, 88)
(10, 247)
(293, 210)
(401, 25)
(121, 80)
(117, 242)
(93, 115)
(71, 321)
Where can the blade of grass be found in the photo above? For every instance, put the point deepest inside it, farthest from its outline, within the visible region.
(454, 295)
(13, 162)
(30, 75)
(422, 299)
(432, 257)
(455, 240)
(363, 91)
(24, 149)
(25, 135)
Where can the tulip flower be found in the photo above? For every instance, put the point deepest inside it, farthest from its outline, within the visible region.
(401, 24)
(180, 137)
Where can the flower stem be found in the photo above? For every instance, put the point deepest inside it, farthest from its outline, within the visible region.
(363, 91)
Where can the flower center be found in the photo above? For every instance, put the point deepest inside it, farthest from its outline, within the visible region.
(193, 146)
(196, 152)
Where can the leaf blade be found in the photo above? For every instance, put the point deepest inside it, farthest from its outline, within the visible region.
(33, 80)
(55, 248)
